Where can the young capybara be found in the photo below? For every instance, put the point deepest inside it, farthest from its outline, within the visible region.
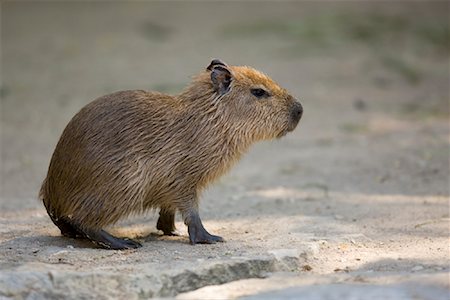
(132, 151)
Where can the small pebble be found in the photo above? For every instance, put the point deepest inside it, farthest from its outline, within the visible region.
(306, 268)
(60, 252)
(417, 268)
(359, 104)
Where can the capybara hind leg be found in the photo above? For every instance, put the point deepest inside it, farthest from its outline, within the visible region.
(198, 233)
(67, 228)
(108, 241)
(63, 223)
(166, 222)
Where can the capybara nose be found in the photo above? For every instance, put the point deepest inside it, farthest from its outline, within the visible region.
(297, 111)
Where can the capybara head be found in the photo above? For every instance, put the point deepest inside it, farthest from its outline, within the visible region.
(250, 101)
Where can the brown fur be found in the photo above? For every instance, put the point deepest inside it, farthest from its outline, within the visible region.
(131, 151)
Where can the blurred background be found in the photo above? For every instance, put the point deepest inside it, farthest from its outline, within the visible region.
(373, 78)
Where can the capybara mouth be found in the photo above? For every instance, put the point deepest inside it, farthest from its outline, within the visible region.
(292, 125)
(289, 128)
(282, 133)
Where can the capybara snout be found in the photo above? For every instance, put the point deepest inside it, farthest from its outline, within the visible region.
(295, 115)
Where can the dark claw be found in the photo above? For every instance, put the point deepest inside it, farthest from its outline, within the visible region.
(132, 244)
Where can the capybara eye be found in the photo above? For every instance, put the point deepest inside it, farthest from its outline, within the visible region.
(259, 93)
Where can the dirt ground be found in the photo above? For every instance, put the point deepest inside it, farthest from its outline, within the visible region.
(353, 204)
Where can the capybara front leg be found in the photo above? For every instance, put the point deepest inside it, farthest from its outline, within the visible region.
(198, 233)
(166, 222)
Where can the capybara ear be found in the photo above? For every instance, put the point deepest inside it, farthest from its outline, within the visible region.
(220, 76)
(214, 63)
(221, 79)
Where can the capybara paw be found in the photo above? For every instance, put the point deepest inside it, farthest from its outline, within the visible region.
(167, 230)
(205, 239)
(118, 244)
(108, 241)
(171, 233)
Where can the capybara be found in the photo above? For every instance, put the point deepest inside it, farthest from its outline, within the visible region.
(131, 151)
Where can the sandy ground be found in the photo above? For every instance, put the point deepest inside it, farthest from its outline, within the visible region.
(354, 203)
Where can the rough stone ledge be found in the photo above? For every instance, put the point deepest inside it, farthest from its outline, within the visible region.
(140, 281)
